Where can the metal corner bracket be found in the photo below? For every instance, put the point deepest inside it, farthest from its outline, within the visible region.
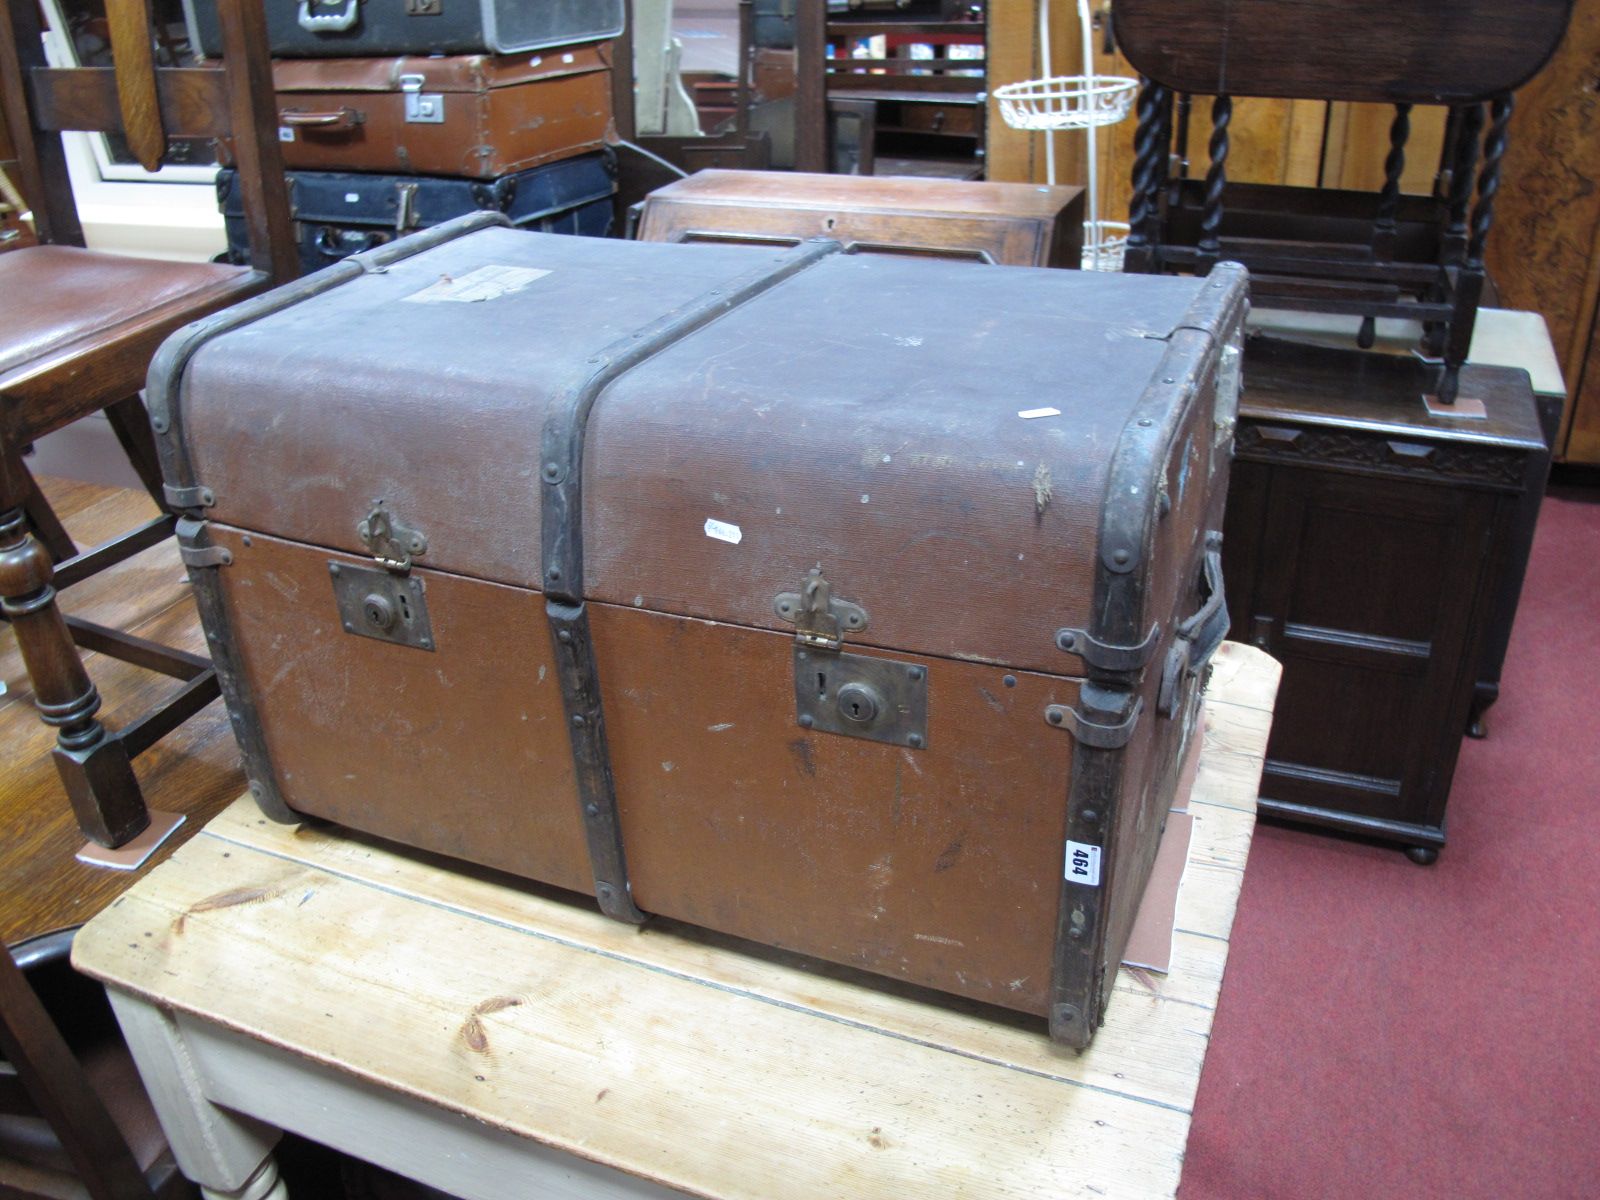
(1091, 733)
(205, 556)
(1104, 656)
(189, 497)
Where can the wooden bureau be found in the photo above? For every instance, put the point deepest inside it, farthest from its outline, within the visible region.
(1016, 224)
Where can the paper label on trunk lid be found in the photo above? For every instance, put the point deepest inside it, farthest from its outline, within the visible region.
(486, 283)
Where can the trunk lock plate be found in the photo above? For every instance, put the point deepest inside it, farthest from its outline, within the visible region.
(880, 699)
(380, 604)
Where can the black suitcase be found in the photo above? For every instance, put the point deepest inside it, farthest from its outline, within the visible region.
(774, 23)
(359, 28)
(338, 214)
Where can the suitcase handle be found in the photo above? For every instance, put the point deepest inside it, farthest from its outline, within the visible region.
(336, 22)
(342, 118)
(1198, 636)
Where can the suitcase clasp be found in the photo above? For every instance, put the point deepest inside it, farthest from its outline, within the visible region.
(820, 619)
(422, 108)
(858, 695)
(388, 541)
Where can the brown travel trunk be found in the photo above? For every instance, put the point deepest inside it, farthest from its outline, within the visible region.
(473, 115)
(743, 586)
(1016, 224)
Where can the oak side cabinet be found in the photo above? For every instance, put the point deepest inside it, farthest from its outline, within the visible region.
(1373, 549)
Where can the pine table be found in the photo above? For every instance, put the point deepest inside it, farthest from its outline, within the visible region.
(499, 1041)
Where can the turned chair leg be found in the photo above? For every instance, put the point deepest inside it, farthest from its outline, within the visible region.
(93, 763)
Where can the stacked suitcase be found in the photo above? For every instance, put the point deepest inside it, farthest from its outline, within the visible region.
(396, 115)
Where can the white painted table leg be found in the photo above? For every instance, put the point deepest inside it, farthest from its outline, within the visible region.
(228, 1155)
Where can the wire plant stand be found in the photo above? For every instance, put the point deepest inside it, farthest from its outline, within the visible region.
(1087, 102)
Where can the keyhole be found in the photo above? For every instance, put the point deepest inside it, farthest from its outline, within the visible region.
(405, 608)
(822, 686)
(379, 612)
(859, 703)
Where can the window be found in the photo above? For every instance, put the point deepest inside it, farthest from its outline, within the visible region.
(78, 37)
(171, 213)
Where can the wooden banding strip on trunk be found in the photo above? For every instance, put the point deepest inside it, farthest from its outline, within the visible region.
(188, 496)
(561, 513)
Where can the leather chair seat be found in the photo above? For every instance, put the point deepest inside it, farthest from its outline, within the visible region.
(65, 299)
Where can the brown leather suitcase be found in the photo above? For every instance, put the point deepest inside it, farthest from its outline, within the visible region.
(852, 604)
(473, 115)
(1018, 224)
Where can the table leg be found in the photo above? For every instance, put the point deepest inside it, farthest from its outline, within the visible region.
(263, 1185)
(229, 1155)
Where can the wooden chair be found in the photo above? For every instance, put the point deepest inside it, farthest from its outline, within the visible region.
(76, 337)
(1373, 255)
(74, 1117)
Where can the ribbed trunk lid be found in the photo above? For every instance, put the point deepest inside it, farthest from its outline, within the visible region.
(935, 436)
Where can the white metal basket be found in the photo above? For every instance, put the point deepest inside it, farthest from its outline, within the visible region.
(1066, 101)
(1104, 243)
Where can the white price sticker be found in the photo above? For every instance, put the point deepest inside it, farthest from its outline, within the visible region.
(486, 283)
(1083, 863)
(723, 531)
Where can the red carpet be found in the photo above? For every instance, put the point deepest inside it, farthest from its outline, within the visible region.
(1401, 1031)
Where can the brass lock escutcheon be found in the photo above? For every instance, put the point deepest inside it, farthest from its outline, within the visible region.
(385, 601)
(835, 691)
(381, 604)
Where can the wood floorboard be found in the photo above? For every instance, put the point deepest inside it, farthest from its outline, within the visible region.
(195, 770)
(70, 496)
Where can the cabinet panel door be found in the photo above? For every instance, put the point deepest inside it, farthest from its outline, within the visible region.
(1243, 532)
(1366, 590)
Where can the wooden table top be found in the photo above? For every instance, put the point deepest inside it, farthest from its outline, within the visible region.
(676, 1055)
(194, 771)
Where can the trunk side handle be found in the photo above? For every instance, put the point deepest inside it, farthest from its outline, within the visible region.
(1199, 635)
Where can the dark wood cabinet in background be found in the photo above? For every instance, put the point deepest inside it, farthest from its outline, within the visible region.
(1369, 547)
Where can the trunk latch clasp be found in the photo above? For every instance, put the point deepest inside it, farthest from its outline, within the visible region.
(387, 540)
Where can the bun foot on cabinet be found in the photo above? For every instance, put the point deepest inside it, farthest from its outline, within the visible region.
(1483, 696)
(1423, 856)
